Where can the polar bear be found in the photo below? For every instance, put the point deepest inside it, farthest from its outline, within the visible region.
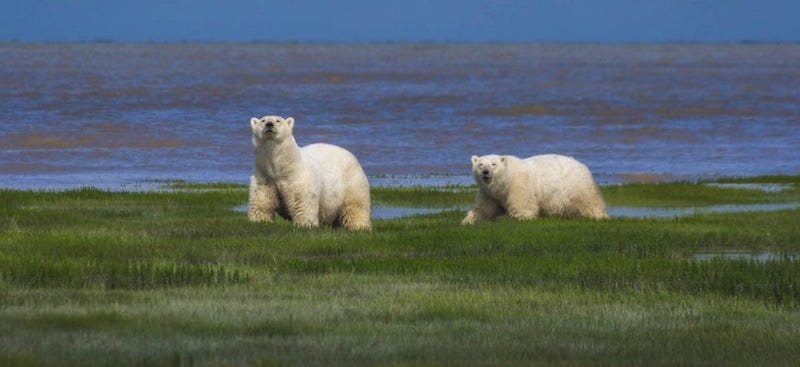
(313, 185)
(542, 185)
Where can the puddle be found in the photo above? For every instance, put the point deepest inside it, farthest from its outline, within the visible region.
(621, 211)
(761, 257)
(392, 212)
(382, 212)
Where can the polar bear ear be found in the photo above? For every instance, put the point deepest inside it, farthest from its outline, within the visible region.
(253, 122)
(474, 159)
(290, 122)
(503, 159)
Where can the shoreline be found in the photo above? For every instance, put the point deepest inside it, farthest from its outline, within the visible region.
(116, 182)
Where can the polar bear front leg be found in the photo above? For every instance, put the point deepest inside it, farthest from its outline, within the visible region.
(303, 207)
(485, 208)
(522, 205)
(263, 201)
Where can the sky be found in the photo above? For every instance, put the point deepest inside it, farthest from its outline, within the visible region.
(401, 20)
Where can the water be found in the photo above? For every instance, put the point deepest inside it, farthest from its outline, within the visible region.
(114, 115)
(391, 212)
(386, 212)
(637, 212)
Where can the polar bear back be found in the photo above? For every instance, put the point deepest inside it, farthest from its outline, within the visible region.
(562, 184)
(557, 170)
(339, 175)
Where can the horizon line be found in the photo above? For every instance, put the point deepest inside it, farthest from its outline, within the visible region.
(404, 42)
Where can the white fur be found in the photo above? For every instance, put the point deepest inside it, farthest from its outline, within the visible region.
(542, 185)
(313, 185)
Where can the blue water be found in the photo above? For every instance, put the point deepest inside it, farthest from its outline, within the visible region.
(117, 115)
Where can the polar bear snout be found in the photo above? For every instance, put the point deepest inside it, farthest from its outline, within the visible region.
(486, 176)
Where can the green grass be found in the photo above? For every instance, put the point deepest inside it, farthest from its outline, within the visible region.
(89, 277)
(420, 196)
(684, 194)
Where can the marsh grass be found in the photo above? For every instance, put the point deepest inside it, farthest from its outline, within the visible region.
(420, 196)
(702, 193)
(89, 277)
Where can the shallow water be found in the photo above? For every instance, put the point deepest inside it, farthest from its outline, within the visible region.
(391, 212)
(109, 115)
(384, 212)
(636, 212)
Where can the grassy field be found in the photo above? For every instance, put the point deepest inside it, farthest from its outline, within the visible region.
(179, 278)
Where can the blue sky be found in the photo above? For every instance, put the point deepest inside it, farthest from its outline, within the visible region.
(409, 20)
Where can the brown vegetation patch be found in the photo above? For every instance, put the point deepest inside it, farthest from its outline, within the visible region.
(644, 177)
(520, 110)
(88, 139)
(13, 167)
(40, 140)
(632, 135)
(421, 98)
(682, 112)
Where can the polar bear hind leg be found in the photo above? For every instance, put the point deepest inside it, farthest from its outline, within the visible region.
(355, 214)
(596, 210)
(356, 208)
(589, 205)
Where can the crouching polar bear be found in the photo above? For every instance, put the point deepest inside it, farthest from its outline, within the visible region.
(313, 185)
(542, 185)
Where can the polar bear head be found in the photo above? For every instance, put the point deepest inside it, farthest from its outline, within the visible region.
(271, 128)
(489, 169)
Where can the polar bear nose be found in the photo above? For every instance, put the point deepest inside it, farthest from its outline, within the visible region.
(270, 124)
(486, 172)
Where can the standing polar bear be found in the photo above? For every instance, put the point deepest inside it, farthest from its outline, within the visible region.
(542, 185)
(313, 185)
